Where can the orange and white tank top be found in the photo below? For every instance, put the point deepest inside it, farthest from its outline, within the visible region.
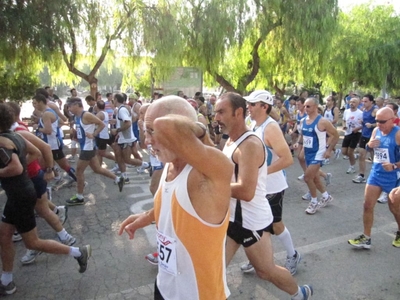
(191, 260)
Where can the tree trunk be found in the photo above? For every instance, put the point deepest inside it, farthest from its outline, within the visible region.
(93, 86)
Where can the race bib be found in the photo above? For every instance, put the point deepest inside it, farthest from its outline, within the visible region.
(166, 247)
(381, 155)
(307, 141)
(78, 132)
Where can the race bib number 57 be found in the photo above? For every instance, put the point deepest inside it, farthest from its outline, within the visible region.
(166, 253)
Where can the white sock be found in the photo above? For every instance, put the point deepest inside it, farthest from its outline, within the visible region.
(145, 164)
(74, 251)
(325, 195)
(6, 278)
(80, 196)
(298, 295)
(314, 200)
(286, 240)
(62, 235)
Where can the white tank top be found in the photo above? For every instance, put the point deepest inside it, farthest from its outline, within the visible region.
(187, 245)
(276, 182)
(104, 132)
(255, 214)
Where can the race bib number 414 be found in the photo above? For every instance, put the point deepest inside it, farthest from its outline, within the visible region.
(166, 247)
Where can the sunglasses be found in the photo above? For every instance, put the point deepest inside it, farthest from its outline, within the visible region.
(382, 121)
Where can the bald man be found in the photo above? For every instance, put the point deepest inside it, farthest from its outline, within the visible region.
(384, 141)
(190, 206)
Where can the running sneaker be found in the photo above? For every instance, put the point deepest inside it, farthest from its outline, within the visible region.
(16, 237)
(306, 196)
(86, 253)
(359, 179)
(312, 208)
(326, 161)
(324, 201)
(345, 157)
(337, 153)
(301, 177)
(356, 155)
(120, 181)
(292, 263)
(383, 198)
(71, 159)
(62, 213)
(69, 241)
(351, 170)
(396, 241)
(115, 169)
(30, 256)
(328, 179)
(143, 167)
(247, 268)
(152, 258)
(361, 242)
(307, 291)
(126, 180)
(8, 289)
(74, 200)
(49, 195)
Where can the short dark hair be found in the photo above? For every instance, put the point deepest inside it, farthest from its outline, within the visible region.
(120, 98)
(75, 100)
(237, 101)
(89, 98)
(395, 106)
(46, 87)
(15, 108)
(370, 97)
(73, 89)
(108, 95)
(43, 92)
(40, 98)
(100, 104)
(6, 117)
(301, 99)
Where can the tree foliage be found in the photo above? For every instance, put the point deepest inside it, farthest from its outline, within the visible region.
(17, 84)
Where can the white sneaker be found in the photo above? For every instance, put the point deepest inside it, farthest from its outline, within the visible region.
(246, 268)
(301, 177)
(16, 237)
(351, 170)
(69, 241)
(345, 157)
(356, 155)
(143, 167)
(30, 256)
(292, 263)
(306, 196)
(115, 169)
(312, 208)
(62, 213)
(152, 258)
(337, 153)
(324, 201)
(383, 198)
(359, 179)
(326, 162)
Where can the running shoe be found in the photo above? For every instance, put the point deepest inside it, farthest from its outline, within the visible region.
(356, 155)
(324, 201)
(74, 200)
(86, 252)
(312, 208)
(152, 258)
(62, 213)
(115, 169)
(328, 179)
(359, 179)
(383, 198)
(69, 241)
(292, 263)
(30, 256)
(307, 291)
(247, 268)
(396, 241)
(361, 242)
(120, 182)
(71, 159)
(8, 289)
(126, 180)
(337, 153)
(345, 157)
(351, 170)
(16, 237)
(326, 161)
(49, 194)
(301, 177)
(306, 196)
(143, 167)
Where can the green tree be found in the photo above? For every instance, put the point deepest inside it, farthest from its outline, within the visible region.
(365, 50)
(234, 40)
(16, 84)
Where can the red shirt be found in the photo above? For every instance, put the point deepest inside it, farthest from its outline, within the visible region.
(34, 167)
